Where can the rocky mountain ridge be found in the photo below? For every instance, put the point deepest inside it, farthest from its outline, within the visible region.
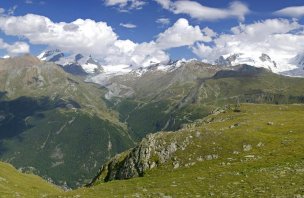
(80, 64)
(286, 66)
(76, 64)
(100, 72)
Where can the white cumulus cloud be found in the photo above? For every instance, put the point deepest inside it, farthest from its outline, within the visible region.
(163, 21)
(198, 11)
(180, 34)
(294, 11)
(209, 32)
(155, 54)
(15, 48)
(85, 36)
(128, 25)
(164, 3)
(99, 39)
(282, 39)
(125, 5)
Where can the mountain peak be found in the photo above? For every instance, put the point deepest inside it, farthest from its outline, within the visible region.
(24, 60)
(298, 60)
(51, 55)
(77, 64)
(257, 59)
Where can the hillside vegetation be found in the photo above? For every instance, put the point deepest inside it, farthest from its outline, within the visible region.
(166, 101)
(55, 125)
(257, 152)
(16, 184)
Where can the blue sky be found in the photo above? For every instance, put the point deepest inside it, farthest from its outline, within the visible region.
(144, 17)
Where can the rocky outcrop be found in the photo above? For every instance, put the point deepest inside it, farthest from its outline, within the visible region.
(153, 151)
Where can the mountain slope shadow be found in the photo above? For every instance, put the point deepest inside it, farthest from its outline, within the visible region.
(14, 113)
(2, 95)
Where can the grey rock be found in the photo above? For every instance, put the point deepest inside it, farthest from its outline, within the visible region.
(247, 147)
(151, 152)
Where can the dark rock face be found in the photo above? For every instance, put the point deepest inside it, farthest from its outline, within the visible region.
(243, 70)
(56, 57)
(265, 57)
(74, 69)
(78, 57)
(222, 61)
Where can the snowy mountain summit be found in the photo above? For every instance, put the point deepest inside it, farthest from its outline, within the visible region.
(86, 65)
(77, 64)
(298, 60)
(263, 60)
(276, 64)
(83, 65)
(51, 55)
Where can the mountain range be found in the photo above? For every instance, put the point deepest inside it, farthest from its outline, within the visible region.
(63, 126)
(86, 65)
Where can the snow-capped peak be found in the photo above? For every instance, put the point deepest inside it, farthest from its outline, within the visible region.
(275, 64)
(80, 64)
(172, 65)
(51, 55)
(298, 60)
(89, 64)
(265, 58)
(165, 67)
(72, 63)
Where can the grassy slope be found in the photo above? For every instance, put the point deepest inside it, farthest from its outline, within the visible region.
(180, 102)
(272, 167)
(15, 184)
